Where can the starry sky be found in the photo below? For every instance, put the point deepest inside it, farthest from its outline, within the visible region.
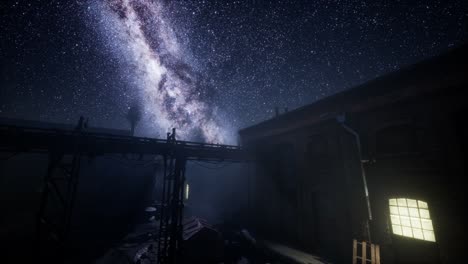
(206, 67)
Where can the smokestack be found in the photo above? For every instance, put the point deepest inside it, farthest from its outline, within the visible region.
(285, 109)
(276, 111)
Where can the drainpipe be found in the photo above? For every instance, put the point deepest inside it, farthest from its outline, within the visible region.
(341, 119)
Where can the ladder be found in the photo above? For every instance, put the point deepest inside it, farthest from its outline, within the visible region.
(374, 252)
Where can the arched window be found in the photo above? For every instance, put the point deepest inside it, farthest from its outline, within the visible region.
(411, 218)
(399, 139)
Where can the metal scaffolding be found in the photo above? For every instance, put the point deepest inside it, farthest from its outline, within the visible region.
(172, 204)
(66, 148)
(56, 205)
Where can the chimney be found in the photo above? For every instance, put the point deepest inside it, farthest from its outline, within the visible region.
(285, 109)
(276, 111)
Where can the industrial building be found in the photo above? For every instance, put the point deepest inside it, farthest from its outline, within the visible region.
(382, 163)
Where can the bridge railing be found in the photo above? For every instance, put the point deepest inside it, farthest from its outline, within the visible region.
(35, 134)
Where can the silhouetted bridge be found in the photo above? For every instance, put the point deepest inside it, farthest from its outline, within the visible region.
(66, 148)
(39, 140)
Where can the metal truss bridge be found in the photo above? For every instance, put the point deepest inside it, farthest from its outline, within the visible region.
(66, 148)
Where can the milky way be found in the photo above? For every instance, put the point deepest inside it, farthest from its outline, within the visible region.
(156, 65)
(206, 67)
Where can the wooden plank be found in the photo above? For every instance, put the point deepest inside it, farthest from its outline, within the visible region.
(372, 253)
(354, 251)
(377, 254)
(364, 253)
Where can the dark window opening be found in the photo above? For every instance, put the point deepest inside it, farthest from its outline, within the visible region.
(399, 139)
(284, 169)
(317, 152)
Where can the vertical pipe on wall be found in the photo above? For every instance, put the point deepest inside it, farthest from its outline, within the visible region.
(341, 119)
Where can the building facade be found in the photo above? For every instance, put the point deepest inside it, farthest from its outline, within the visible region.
(382, 162)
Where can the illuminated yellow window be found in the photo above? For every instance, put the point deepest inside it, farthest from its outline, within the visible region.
(411, 218)
(187, 191)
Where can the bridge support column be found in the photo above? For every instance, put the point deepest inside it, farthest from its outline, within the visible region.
(172, 205)
(56, 205)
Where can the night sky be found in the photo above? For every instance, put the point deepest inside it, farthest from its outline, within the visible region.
(206, 67)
